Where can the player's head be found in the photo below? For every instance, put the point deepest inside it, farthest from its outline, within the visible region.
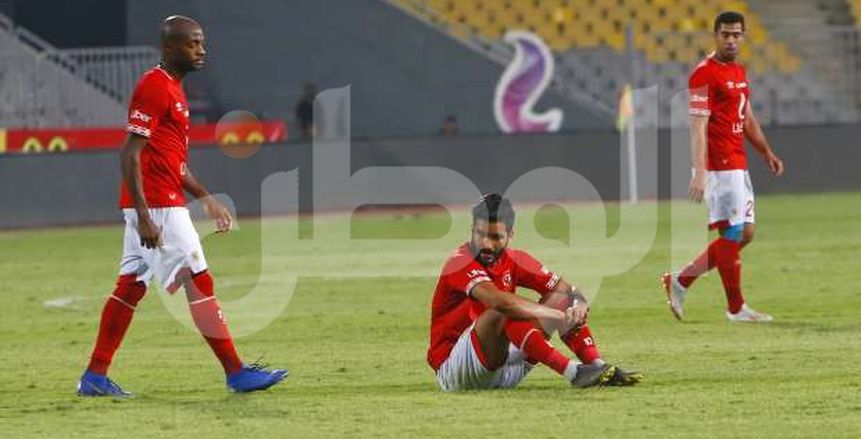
(729, 34)
(182, 44)
(492, 227)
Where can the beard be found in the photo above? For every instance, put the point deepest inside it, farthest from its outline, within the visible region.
(486, 257)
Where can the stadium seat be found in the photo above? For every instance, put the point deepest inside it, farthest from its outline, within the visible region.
(587, 24)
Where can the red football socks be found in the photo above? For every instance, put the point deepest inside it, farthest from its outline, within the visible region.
(116, 317)
(210, 321)
(530, 340)
(728, 257)
(580, 342)
(701, 265)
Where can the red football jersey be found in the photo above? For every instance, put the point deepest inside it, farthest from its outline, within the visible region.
(159, 112)
(721, 92)
(453, 308)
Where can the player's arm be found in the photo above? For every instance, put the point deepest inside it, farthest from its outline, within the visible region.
(699, 142)
(512, 305)
(130, 162)
(754, 134)
(215, 210)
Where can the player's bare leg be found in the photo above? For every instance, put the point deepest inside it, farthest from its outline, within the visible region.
(490, 331)
(747, 235)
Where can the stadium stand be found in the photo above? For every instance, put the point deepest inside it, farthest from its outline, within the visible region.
(669, 37)
(42, 86)
(856, 11)
(665, 30)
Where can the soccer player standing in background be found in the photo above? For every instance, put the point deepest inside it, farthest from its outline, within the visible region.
(160, 240)
(722, 118)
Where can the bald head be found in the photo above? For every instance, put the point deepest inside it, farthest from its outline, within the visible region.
(177, 27)
(182, 45)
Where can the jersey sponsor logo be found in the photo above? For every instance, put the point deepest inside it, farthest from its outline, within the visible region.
(730, 85)
(475, 273)
(699, 98)
(180, 109)
(140, 115)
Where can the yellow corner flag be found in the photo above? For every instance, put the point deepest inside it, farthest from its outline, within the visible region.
(626, 108)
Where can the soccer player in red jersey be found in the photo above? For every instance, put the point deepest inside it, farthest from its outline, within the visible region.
(160, 240)
(484, 336)
(722, 118)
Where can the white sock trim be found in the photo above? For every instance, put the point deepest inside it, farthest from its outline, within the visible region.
(528, 334)
(205, 299)
(570, 371)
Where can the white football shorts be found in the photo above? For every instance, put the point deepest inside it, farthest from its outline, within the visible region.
(730, 198)
(463, 369)
(180, 247)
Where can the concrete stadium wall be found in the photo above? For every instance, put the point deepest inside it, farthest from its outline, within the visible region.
(56, 189)
(405, 77)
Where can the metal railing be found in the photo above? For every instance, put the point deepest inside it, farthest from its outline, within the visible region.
(112, 69)
(42, 86)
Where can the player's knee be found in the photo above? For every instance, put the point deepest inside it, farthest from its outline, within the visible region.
(129, 289)
(747, 236)
(199, 286)
(733, 233)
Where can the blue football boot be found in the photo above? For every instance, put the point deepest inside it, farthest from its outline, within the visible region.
(254, 377)
(93, 384)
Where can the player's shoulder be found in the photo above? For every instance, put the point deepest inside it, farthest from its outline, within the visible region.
(517, 253)
(155, 77)
(703, 69)
(461, 254)
(521, 258)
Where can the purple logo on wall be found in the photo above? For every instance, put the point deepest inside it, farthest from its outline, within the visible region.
(522, 84)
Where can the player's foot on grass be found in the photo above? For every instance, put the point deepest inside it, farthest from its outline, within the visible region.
(624, 377)
(93, 384)
(675, 294)
(254, 377)
(590, 375)
(748, 314)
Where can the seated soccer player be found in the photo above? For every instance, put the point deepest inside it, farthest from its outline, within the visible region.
(484, 336)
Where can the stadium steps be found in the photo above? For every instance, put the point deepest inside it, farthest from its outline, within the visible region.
(807, 27)
(41, 88)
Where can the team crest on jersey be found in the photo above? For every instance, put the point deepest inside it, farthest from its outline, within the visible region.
(506, 279)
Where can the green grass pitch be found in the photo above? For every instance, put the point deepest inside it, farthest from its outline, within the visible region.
(354, 335)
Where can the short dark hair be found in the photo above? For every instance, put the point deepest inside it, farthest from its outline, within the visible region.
(729, 17)
(493, 208)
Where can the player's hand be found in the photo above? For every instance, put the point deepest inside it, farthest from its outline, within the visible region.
(219, 213)
(577, 313)
(697, 188)
(150, 234)
(775, 164)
